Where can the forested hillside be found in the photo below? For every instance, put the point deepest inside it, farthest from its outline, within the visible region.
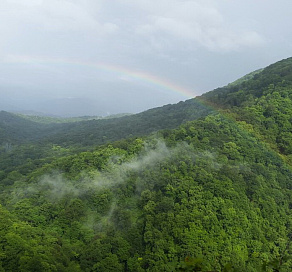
(103, 131)
(204, 185)
(30, 142)
(263, 104)
(14, 129)
(96, 131)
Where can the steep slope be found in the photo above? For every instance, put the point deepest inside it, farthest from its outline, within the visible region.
(26, 145)
(205, 196)
(95, 132)
(263, 104)
(214, 194)
(16, 129)
(276, 76)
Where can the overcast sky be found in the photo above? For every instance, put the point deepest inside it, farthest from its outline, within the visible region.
(131, 55)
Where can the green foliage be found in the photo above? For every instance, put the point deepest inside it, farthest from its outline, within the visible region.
(264, 101)
(210, 194)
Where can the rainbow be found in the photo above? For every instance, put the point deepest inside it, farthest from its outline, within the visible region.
(148, 78)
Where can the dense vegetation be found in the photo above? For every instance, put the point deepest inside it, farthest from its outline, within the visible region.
(30, 142)
(264, 103)
(68, 132)
(63, 120)
(206, 192)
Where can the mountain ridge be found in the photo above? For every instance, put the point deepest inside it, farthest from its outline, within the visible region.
(168, 116)
(206, 190)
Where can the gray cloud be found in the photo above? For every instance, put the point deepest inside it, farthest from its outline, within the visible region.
(195, 44)
(198, 22)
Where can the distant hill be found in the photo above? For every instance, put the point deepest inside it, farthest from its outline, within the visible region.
(17, 129)
(102, 131)
(202, 185)
(93, 132)
(61, 120)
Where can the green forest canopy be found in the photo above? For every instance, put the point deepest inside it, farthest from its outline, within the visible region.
(183, 187)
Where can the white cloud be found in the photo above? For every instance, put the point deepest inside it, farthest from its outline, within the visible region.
(251, 39)
(196, 22)
(160, 25)
(51, 15)
(64, 15)
(181, 40)
(29, 3)
(52, 27)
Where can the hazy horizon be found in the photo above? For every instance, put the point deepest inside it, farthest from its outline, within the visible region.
(90, 57)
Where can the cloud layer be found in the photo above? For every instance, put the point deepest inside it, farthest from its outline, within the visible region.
(194, 43)
(196, 22)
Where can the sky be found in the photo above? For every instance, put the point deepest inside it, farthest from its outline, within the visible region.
(100, 57)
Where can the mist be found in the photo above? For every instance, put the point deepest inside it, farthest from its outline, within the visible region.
(100, 188)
